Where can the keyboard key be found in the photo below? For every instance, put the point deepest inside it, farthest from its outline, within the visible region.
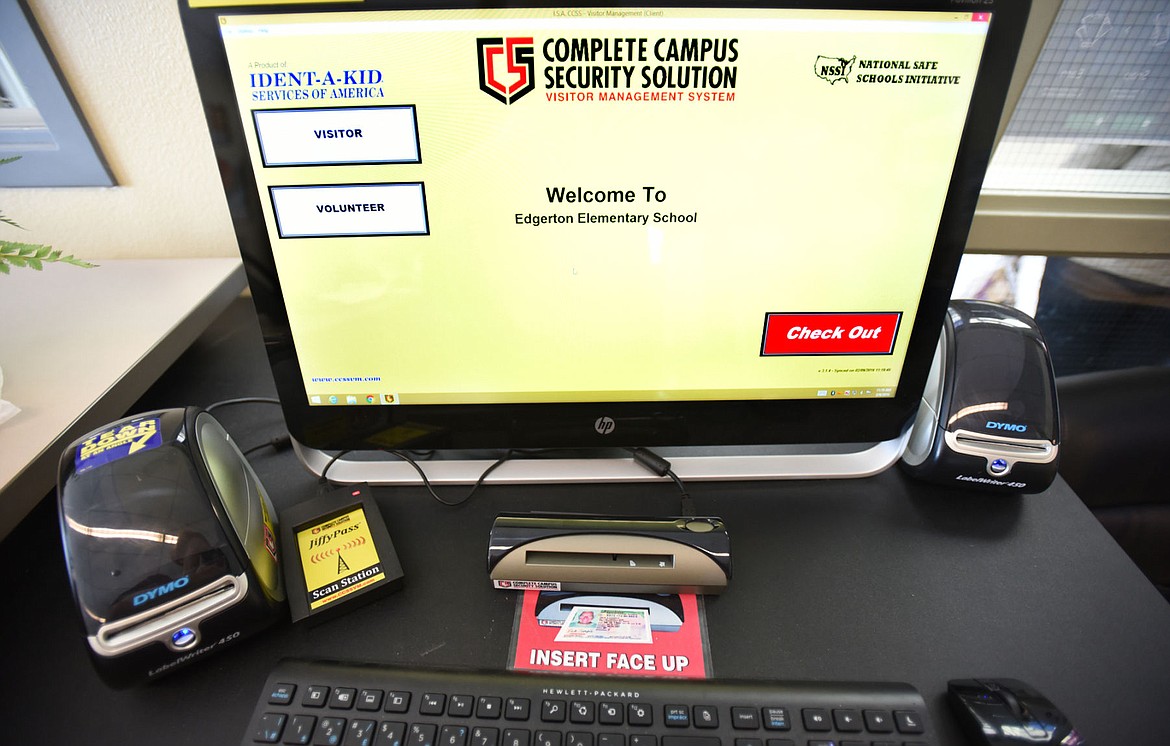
(315, 696)
(579, 739)
(776, 718)
(816, 720)
(360, 733)
(390, 733)
(461, 706)
(282, 694)
(421, 734)
(342, 698)
(878, 721)
(553, 711)
(847, 721)
(745, 718)
(547, 738)
(515, 737)
(609, 713)
(453, 735)
(369, 700)
(582, 712)
(300, 730)
(488, 707)
(397, 701)
(270, 727)
(706, 716)
(611, 739)
(690, 741)
(637, 714)
(677, 716)
(908, 722)
(329, 732)
(517, 708)
(485, 736)
(641, 739)
(432, 704)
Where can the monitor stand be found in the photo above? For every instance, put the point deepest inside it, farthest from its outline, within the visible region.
(821, 461)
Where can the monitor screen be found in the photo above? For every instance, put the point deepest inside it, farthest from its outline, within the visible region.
(579, 226)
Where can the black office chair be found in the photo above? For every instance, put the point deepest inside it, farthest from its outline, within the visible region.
(1115, 453)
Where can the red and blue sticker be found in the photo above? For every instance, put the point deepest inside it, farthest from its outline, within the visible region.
(118, 441)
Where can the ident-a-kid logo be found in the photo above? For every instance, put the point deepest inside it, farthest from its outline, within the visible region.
(506, 67)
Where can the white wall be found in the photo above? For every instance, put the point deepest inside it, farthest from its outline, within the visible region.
(126, 63)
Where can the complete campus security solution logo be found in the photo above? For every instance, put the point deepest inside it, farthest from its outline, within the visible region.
(629, 69)
(507, 69)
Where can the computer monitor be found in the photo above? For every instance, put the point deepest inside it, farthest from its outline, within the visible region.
(728, 233)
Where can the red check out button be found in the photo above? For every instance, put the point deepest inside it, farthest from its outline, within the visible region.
(830, 333)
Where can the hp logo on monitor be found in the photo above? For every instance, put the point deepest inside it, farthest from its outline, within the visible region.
(604, 425)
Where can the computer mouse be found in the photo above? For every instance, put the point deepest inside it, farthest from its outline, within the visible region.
(998, 712)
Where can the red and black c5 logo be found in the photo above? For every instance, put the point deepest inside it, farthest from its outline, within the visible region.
(506, 69)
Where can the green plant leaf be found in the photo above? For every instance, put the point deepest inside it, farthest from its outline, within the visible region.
(35, 256)
(31, 255)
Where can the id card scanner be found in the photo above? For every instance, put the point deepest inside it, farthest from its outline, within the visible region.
(574, 552)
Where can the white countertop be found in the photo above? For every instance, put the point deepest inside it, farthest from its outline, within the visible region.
(80, 346)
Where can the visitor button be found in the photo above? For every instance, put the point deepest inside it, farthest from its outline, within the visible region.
(341, 136)
(830, 333)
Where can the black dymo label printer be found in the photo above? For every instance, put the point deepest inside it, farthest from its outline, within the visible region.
(989, 416)
(170, 542)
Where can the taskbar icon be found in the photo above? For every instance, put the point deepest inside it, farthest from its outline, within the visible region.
(326, 400)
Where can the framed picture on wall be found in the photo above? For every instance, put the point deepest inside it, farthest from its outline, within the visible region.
(39, 120)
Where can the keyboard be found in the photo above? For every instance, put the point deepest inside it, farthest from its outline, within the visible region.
(328, 703)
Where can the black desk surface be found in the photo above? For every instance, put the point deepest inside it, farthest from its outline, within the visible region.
(873, 579)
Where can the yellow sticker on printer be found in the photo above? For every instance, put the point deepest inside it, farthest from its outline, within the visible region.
(338, 557)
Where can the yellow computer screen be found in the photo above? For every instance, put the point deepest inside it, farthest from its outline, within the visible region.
(602, 205)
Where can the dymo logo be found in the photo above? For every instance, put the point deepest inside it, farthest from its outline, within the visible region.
(162, 590)
(604, 425)
(1010, 427)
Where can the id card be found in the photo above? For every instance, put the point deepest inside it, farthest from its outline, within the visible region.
(597, 624)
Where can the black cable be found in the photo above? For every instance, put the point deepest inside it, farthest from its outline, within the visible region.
(323, 480)
(241, 400)
(646, 458)
(474, 488)
(660, 466)
(280, 442)
(412, 460)
(409, 459)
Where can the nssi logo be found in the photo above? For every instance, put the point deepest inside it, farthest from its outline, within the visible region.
(833, 69)
(506, 68)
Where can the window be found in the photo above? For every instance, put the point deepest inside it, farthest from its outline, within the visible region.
(1077, 198)
(1083, 166)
